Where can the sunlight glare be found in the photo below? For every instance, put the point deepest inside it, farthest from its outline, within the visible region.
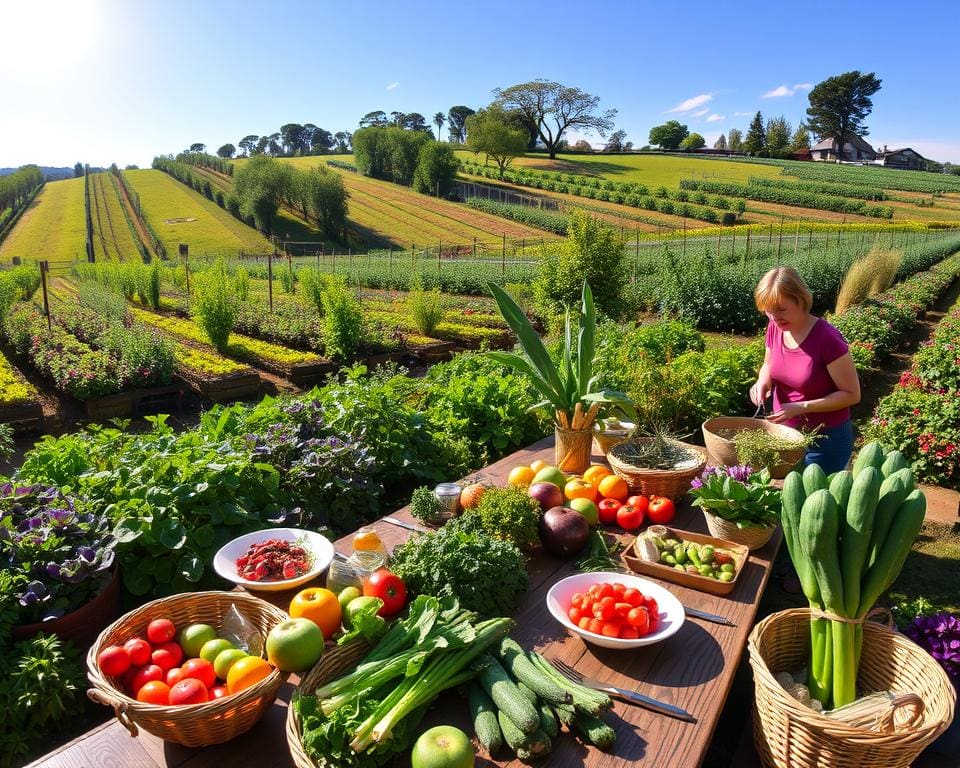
(47, 36)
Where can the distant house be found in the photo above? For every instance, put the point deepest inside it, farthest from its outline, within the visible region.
(905, 158)
(855, 150)
(801, 154)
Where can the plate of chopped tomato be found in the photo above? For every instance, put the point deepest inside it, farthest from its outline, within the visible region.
(615, 610)
(274, 559)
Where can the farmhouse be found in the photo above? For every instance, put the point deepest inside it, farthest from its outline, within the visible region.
(905, 158)
(855, 149)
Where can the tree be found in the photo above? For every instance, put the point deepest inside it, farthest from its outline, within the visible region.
(294, 138)
(249, 144)
(615, 142)
(491, 132)
(77, 170)
(735, 140)
(693, 141)
(436, 169)
(376, 119)
(414, 121)
(322, 199)
(555, 108)
(388, 153)
(839, 105)
(273, 145)
(438, 120)
(669, 135)
(456, 122)
(516, 119)
(778, 136)
(343, 139)
(582, 145)
(197, 147)
(396, 119)
(321, 140)
(721, 142)
(261, 186)
(227, 151)
(756, 136)
(801, 139)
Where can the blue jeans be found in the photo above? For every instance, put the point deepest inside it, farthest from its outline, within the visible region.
(832, 449)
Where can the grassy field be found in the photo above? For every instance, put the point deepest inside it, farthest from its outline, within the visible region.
(52, 228)
(113, 237)
(180, 215)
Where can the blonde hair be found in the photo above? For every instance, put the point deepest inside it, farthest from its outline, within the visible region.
(779, 283)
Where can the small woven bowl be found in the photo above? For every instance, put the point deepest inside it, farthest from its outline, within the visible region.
(672, 483)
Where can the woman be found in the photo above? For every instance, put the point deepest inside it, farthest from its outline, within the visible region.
(808, 369)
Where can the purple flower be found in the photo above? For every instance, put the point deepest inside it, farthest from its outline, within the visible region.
(939, 635)
(696, 483)
(740, 472)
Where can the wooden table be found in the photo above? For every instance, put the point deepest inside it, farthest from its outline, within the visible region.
(694, 669)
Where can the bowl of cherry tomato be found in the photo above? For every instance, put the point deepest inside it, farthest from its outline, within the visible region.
(615, 610)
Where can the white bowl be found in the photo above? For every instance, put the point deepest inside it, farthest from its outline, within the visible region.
(225, 561)
(671, 617)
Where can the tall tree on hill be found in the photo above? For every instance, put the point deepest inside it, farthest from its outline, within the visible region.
(721, 142)
(396, 119)
(735, 140)
(260, 186)
(77, 170)
(778, 136)
(263, 144)
(756, 136)
(840, 104)
(414, 121)
(248, 144)
(321, 141)
(616, 141)
(273, 145)
(197, 147)
(343, 139)
(456, 122)
(555, 108)
(375, 119)
(293, 136)
(227, 151)
(669, 135)
(801, 139)
(693, 141)
(491, 132)
(438, 120)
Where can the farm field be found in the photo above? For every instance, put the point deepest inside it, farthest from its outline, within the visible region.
(179, 215)
(113, 237)
(52, 227)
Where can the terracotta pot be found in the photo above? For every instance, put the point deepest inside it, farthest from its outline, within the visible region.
(82, 625)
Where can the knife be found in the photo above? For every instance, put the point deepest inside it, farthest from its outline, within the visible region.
(403, 524)
(698, 614)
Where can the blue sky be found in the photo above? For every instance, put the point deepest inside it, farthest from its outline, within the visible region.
(123, 80)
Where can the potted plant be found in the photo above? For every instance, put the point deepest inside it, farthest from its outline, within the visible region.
(739, 504)
(939, 635)
(569, 388)
(58, 561)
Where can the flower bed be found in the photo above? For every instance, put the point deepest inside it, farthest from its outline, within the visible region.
(14, 389)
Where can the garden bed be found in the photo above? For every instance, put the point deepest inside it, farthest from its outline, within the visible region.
(19, 399)
(134, 402)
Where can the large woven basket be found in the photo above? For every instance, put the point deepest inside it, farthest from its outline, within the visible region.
(789, 734)
(672, 483)
(332, 665)
(753, 536)
(605, 438)
(195, 725)
(722, 451)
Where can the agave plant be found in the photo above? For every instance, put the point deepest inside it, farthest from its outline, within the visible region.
(570, 388)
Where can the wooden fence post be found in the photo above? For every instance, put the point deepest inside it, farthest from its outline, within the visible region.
(270, 276)
(44, 269)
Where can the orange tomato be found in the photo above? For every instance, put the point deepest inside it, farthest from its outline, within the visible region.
(246, 673)
(319, 605)
(521, 476)
(596, 473)
(613, 487)
(537, 465)
(578, 489)
(154, 692)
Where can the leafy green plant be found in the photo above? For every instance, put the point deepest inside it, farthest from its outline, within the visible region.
(425, 506)
(509, 514)
(757, 448)
(215, 304)
(288, 279)
(343, 320)
(312, 285)
(426, 308)
(738, 495)
(241, 284)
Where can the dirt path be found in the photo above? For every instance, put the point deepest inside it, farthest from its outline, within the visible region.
(137, 224)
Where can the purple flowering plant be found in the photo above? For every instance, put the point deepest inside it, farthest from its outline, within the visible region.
(738, 494)
(56, 556)
(939, 635)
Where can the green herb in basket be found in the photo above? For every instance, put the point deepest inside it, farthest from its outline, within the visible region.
(738, 495)
(758, 448)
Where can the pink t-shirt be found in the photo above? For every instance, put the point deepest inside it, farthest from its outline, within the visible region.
(801, 374)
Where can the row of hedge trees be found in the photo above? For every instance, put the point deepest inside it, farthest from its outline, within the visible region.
(410, 158)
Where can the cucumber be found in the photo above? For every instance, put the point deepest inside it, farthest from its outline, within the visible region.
(871, 455)
(484, 716)
(856, 528)
(526, 745)
(791, 503)
(517, 664)
(507, 697)
(841, 484)
(893, 461)
(893, 492)
(594, 730)
(814, 479)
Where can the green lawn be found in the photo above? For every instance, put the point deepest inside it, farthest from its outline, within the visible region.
(52, 228)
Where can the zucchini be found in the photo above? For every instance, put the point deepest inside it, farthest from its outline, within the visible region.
(791, 503)
(855, 532)
(893, 492)
(526, 745)
(584, 698)
(484, 716)
(565, 713)
(893, 462)
(871, 455)
(814, 479)
(594, 730)
(517, 664)
(841, 483)
(507, 697)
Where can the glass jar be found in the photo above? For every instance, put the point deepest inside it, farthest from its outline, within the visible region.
(449, 496)
(353, 571)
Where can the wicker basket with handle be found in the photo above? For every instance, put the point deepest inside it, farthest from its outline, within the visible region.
(196, 725)
(789, 734)
(723, 451)
(752, 537)
(672, 483)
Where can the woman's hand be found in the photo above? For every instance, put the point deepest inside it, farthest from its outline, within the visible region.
(760, 391)
(787, 411)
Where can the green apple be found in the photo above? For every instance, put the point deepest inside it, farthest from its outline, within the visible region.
(193, 637)
(442, 747)
(294, 645)
(226, 659)
(212, 648)
(358, 603)
(348, 594)
(550, 475)
(586, 508)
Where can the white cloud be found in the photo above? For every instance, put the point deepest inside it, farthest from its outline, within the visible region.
(392, 85)
(742, 114)
(777, 92)
(716, 118)
(698, 113)
(692, 103)
(803, 86)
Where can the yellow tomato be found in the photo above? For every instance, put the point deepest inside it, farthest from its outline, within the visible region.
(578, 489)
(596, 473)
(247, 672)
(319, 605)
(538, 465)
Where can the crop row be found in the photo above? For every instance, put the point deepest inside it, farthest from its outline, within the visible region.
(204, 160)
(788, 196)
(525, 214)
(883, 178)
(861, 191)
(53, 228)
(14, 389)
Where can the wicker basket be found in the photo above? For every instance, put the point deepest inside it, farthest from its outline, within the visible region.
(753, 536)
(197, 725)
(572, 449)
(672, 483)
(331, 666)
(606, 439)
(722, 451)
(790, 735)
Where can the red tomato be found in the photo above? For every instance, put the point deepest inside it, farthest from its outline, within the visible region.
(574, 614)
(154, 692)
(388, 587)
(640, 502)
(639, 618)
(584, 623)
(174, 676)
(139, 650)
(661, 510)
(629, 517)
(633, 596)
(218, 692)
(595, 626)
(605, 608)
(143, 676)
(188, 691)
(608, 510)
(619, 589)
(605, 590)
(622, 609)
(161, 631)
(610, 629)
(167, 656)
(113, 660)
(200, 669)
(628, 633)
(577, 599)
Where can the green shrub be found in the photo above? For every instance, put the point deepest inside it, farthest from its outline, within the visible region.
(426, 308)
(312, 284)
(343, 320)
(288, 280)
(214, 304)
(241, 284)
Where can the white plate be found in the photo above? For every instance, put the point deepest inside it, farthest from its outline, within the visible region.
(225, 561)
(672, 614)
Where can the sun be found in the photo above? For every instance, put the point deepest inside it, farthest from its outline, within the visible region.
(44, 36)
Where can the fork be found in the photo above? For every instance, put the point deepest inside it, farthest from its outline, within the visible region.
(632, 697)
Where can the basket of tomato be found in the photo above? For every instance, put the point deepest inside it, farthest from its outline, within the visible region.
(165, 668)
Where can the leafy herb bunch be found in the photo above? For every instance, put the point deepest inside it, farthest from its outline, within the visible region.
(738, 495)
